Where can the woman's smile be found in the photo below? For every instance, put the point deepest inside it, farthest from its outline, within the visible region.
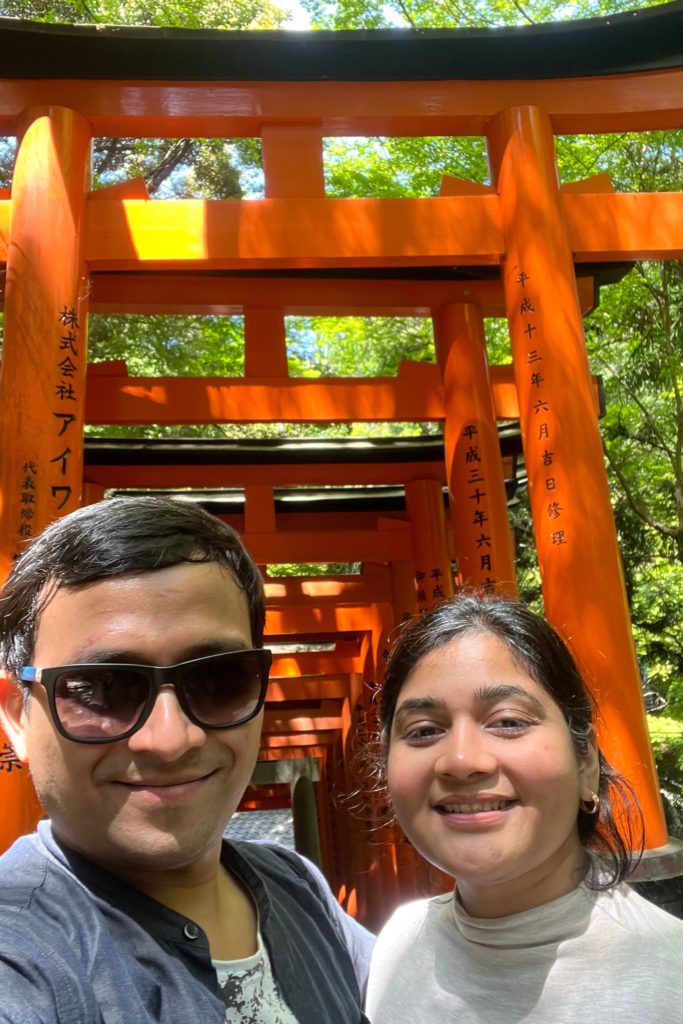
(484, 777)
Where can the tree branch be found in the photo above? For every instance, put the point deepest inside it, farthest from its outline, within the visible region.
(523, 12)
(406, 14)
(635, 505)
(647, 415)
(176, 153)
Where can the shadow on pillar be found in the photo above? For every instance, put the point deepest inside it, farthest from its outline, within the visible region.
(305, 814)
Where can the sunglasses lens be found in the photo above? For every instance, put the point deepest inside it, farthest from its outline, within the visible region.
(224, 690)
(100, 703)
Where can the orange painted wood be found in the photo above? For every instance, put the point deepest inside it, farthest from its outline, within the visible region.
(293, 161)
(314, 688)
(315, 665)
(430, 543)
(259, 511)
(5, 215)
(281, 721)
(597, 183)
(373, 584)
(451, 186)
(299, 233)
(228, 295)
(265, 350)
(415, 395)
(133, 188)
(224, 234)
(231, 109)
(328, 621)
(331, 546)
(403, 591)
(478, 506)
(573, 524)
(287, 746)
(242, 476)
(21, 809)
(92, 492)
(338, 522)
(42, 380)
(638, 226)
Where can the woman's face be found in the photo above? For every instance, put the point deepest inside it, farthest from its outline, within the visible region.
(484, 778)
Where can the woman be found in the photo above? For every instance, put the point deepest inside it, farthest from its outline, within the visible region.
(495, 777)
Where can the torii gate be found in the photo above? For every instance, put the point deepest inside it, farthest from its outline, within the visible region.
(67, 248)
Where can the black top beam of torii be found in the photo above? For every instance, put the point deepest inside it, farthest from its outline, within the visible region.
(642, 40)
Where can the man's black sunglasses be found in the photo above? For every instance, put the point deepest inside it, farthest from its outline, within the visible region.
(109, 702)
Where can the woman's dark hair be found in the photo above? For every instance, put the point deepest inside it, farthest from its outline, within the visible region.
(535, 647)
(118, 536)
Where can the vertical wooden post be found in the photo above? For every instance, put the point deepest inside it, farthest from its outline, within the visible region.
(293, 161)
(433, 575)
(305, 815)
(265, 345)
(92, 493)
(575, 536)
(478, 506)
(42, 382)
(403, 590)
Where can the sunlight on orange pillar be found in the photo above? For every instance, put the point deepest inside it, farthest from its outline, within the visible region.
(576, 540)
(474, 468)
(431, 557)
(42, 382)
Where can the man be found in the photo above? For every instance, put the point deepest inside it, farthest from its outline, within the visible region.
(127, 906)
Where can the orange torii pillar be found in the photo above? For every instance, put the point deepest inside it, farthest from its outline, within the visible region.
(474, 468)
(402, 590)
(431, 557)
(576, 540)
(42, 384)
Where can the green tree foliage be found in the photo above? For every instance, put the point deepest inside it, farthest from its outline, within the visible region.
(170, 346)
(190, 14)
(417, 14)
(356, 346)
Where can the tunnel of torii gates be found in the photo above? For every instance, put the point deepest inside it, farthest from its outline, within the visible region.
(526, 247)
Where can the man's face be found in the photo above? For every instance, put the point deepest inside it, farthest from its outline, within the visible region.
(159, 800)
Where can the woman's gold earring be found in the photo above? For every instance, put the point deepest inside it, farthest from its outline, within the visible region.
(591, 806)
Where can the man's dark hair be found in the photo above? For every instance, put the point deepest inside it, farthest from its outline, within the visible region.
(117, 537)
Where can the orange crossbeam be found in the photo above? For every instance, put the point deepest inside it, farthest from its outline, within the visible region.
(301, 739)
(223, 234)
(636, 102)
(314, 688)
(299, 233)
(638, 226)
(333, 546)
(222, 295)
(306, 663)
(219, 294)
(369, 586)
(279, 723)
(369, 232)
(171, 477)
(416, 395)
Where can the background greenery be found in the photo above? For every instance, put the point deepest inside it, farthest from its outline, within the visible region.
(634, 337)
